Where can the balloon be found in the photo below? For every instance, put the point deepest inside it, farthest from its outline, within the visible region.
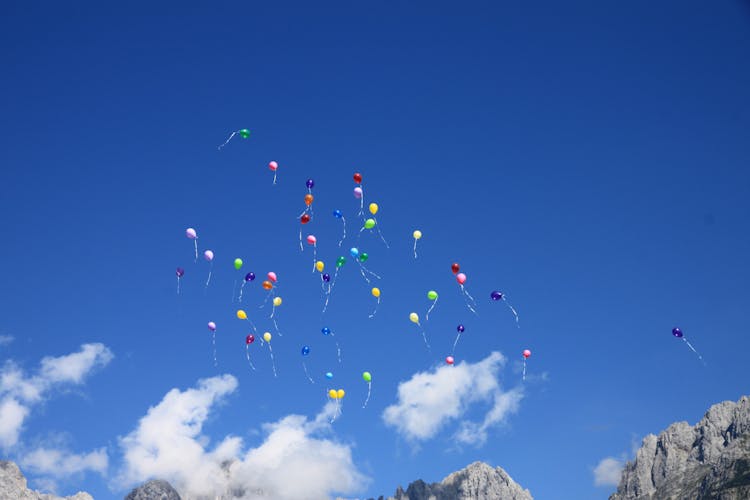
(340, 394)
(460, 328)
(338, 214)
(363, 257)
(327, 277)
(277, 301)
(267, 337)
(455, 267)
(267, 285)
(417, 234)
(373, 208)
(449, 360)
(358, 192)
(325, 330)
(309, 183)
(212, 326)
(332, 394)
(180, 272)
(354, 251)
(272, 276)
(237, 263)
(526, 353)
(190, 233)
(376, 292)
(369, 223)
(320, 266)
(677, 332)
(340, 261)
(366, 376)
(241, 314)
(311, 240)
(308, 199)
(329, 375)
(304, 218)
(208, 255)
(244, 133)
(461, 278)
(305, 350)
(432, 295)
(414, 317)
(358, 178)
(496, 295)
(273, 165)
(249, 276)
(250, 339)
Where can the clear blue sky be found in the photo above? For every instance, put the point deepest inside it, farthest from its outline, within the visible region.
(591, 160)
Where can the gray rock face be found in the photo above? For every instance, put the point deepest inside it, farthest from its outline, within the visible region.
(710, 460)
(156, 489)
(478, 481)
(13, 486)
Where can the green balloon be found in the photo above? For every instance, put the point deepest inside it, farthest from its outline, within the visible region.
(367, 377)
(340, 261)
(363, 257)
(244, 133)
(432, 295)
(369, 223)
(237, 264)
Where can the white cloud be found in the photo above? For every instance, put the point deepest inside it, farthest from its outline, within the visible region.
(6, 339)
(293, 461)
(19, 393)
(60, 463)
(430, 400)
(608, 471)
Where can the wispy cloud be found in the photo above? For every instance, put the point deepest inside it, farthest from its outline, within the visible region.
(61, 463)
(430, 400)
(6, 339)
(608, 471)
(169, 443)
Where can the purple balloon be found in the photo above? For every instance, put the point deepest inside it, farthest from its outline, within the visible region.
(249, 276)
(310, 183)
(180, 272)
(677, 332)
(460, 328)
(326, 277)
(496, 295)
(212, 326)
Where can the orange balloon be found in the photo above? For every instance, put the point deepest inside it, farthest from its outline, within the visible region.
(308, 199)
(267, 285)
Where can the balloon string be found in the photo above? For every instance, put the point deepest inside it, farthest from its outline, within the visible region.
(375, 311)
(315, 258)
(369, 387)
(455, 343)
(343, 236)
(276, 326)
(338, 350)
(328, 296)
(415, 248)
(468, 297)
(382, 238)
(362, 272)
(274, 178)
(513, 311)
(210, 270)
(427, 316)
(227, 141)
(247, 354)
(242, 288)
(307, 374)
(424, 336)
(178, 285)
(336, 412)
(524, 368)
(693, 349)
(273, 362)
(195, 242)
(301, 248)
(255, 331)
(270, 292)
(213, 341)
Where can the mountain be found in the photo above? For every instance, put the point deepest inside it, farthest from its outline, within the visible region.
(156, 489)
(478, 481)
(13, 486)
(710, 460)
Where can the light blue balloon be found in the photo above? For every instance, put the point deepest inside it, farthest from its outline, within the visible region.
(329, 375)
(355, 252)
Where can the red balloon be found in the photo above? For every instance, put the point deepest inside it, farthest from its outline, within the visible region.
(249, 339)
(449, 360)
(304, 219)
(526, 353)
(455, 267)
(358, 178)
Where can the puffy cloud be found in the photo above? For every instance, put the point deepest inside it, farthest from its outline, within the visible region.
(60, 463)
(19, 392)
(430, 400)
(168, 443)
(608, 471)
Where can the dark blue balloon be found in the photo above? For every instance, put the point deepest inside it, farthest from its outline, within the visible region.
(460, 328)
(249, 276)
(337, 214)
(496, 295)
(325, 330)
(677, 332)
(326, 277)
(305, 350)
(310, 183)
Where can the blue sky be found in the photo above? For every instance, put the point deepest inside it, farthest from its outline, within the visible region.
(589, 160)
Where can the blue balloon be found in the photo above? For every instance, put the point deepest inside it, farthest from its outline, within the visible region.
(305, 350)
(337, 214)
(325, 330)
(249, 276)
(355, 252)
(329, 375)
(677, 332)
(326, 277)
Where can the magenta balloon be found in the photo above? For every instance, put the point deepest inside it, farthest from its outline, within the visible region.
(273, 165)
(461, 278)
(190, 233)
(312, 239)
(526, 353)
(358, 192)
(180, 272)
(209, 255)
(212, 326)
(272, 276)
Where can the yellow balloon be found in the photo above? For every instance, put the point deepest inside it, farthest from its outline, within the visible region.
(277, 301)
(320, 266)
(267, 337)
(414, 318)
(340, 394)
(241, 314)
(376, 292)
(374, 208)
(332, 394)
(417, 234)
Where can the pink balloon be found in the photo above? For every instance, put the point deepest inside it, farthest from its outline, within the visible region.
(273, 165)
(358, 192)
(272, 276)
(209, 255)
(190, 233)
(461, 278)
(312, 239)
(212, 326)
(526, 353)
(449, 360)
